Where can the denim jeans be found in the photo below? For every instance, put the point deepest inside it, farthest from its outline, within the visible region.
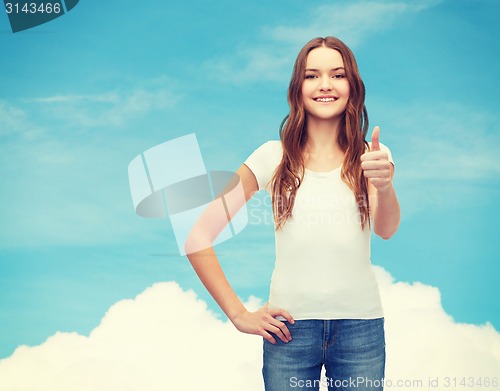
(352, 351)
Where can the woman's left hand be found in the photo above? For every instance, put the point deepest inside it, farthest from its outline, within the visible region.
(376, 165)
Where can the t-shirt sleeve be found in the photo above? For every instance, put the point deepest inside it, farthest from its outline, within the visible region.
(263, 161)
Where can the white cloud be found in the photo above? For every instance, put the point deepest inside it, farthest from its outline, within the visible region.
(258, 63)
(442, 152)
(445, 141)
(350, 21)
(68, 192)
(111, 109)
(114, 109)
(166, 339)
(424, 341)
(14, 121)
(109, 98)
(62, 183)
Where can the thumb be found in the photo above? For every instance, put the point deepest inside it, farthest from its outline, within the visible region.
(375, 139)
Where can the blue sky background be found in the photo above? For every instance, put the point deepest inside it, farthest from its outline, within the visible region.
(81, 96)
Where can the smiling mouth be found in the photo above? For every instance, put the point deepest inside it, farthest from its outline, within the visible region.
(325, 99)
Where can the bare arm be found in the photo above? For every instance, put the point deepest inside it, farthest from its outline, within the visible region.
(384, 204)
(201, 254)
(385, 209)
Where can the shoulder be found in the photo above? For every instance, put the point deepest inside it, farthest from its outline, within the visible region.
(263, 161)
(269, 152)
(272, 146)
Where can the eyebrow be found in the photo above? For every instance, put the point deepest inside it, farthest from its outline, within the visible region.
(317, 70)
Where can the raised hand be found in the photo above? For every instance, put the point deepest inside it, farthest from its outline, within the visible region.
(375, 164)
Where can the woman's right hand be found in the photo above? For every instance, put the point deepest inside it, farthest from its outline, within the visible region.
(263, 321)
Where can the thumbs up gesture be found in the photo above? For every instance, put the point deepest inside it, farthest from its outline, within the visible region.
(376, 165)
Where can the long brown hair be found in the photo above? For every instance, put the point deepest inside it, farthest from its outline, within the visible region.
(293, 134)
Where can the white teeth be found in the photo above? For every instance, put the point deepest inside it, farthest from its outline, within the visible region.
(325, 99)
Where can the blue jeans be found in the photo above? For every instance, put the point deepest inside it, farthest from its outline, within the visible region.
(352, 351)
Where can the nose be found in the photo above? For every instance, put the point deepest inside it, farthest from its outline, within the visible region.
(326, 83)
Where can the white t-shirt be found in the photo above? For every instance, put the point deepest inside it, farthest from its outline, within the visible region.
(322, 268)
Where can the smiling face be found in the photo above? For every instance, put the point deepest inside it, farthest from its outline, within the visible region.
(325, 89)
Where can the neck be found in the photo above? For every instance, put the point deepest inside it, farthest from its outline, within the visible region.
(322, 136)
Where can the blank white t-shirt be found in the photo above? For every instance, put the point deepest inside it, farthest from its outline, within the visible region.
(322, 268)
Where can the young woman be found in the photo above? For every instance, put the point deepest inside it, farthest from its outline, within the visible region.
(329, 187)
